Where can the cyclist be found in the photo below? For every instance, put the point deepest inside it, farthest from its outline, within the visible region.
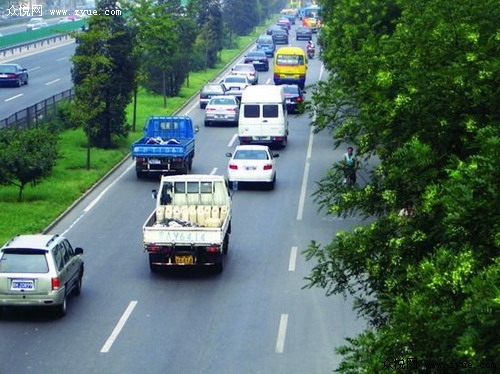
(350, 163)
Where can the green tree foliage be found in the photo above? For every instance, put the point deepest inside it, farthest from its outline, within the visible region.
(26, 156)
(166, 36)
(241, 16)
(104, 70)
(415, 83)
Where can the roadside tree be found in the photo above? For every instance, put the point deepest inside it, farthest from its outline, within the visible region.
(27, 156)
(104, 70)
(414, 83)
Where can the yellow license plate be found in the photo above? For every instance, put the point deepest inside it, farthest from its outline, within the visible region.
(184, 260)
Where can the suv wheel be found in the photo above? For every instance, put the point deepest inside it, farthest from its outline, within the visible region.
(78, 286)
(61, 308)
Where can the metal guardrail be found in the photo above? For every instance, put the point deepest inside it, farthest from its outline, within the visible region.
(32, 115)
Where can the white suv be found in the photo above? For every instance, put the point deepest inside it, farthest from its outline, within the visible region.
(40, 270)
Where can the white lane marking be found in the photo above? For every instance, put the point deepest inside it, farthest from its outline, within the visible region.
(52, 82)
(118, 328)
(35, 68)
(233, 139)
(214, 170)
(99, 197)
(293, 259)
(303, 189)
(62, 59)
(13, 97)
(280, 342)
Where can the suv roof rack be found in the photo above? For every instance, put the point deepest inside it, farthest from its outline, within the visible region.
(52, 239)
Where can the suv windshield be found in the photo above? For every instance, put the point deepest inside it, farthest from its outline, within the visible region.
(24, 262)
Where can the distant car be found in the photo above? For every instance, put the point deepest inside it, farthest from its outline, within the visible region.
(258, 59)
(303, 33)
(294, 97)
(252, 163)
(272, 28)
(248, 70)
(13, 75)
(285, 22)
(222, 109)
(40, 270)
(280, 37)
(265, 43)
(210, 90)
(36, 24)
(235, 84)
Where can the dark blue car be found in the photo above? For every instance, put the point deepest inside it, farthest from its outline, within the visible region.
(13, 75)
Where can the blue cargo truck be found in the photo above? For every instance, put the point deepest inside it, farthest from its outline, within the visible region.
(166, 148)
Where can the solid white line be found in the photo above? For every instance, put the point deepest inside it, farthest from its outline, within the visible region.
(280, 342)
(13, 97)
(93, 202)
(302, 199)
(214, 170)
(293, 259)
(233, 139)
(118, 328)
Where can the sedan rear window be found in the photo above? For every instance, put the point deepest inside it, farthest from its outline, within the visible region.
(23, 263)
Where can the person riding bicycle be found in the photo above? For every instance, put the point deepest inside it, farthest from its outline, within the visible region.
(350, 163)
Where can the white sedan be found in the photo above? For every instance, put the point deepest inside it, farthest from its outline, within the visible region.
(252, 163)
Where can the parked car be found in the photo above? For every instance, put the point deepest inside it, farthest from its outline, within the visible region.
(259, 60)
(294, 98)
(303, 33)
(265, 43)
(252, 163)
(36, 24)
(235, 84)
(280, 37)
(248, 70)
(210, 90)
(40, 270)
(13, 75)
(222, 109)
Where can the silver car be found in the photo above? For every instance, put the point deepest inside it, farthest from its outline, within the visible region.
(40, 270)
(247, 70)
(222, 109)
(235, 84)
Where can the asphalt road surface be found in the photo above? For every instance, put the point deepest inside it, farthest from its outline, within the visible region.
(253, 318)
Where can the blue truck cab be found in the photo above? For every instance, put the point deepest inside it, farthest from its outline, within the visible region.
(167, 146)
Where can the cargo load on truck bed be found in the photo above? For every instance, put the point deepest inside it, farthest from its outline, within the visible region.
(191, 223)
(167, 147)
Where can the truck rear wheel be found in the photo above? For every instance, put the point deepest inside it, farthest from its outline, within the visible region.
(140, 174)
(219, 267)
(154, 268)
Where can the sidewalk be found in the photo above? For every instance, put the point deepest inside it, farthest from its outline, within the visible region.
(11, 54)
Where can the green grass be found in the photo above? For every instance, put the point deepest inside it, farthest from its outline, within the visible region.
(70, 179)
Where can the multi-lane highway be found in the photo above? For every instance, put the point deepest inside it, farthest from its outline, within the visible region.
(253, 318)
(49, 74)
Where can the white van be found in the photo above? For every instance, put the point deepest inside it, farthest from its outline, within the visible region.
(263, 116)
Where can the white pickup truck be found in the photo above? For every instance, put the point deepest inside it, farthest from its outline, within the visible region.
(191, 223)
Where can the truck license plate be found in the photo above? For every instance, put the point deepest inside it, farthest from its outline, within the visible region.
(184, 260)
(154, 161)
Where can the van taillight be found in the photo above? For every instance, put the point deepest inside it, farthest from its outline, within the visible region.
(56, 284)
(153, 248)
(212, 249)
